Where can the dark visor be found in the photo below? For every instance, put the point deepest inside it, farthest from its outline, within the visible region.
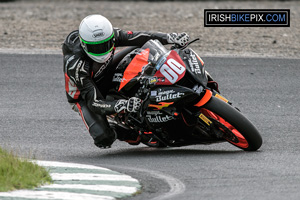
(99, 48)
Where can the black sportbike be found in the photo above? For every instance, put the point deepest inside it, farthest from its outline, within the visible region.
(181, 103)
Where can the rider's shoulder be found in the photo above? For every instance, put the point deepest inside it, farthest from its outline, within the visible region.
(71, 45)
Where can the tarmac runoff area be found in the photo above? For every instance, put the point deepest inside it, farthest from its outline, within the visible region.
(76, 181)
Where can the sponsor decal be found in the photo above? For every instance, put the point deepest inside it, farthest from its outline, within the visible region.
(69, 60)
(79, 65)
(153, 93)
(100, 70)
(247, 17)
(205, 119)
(153, 80)
(154, 112)
(194, 64)
(98, 33)
(117, 77)
(222, 98)
(98, 103)
(101, 105)
(159, 119)
(168, 95)
(198, 89)
(103, 67)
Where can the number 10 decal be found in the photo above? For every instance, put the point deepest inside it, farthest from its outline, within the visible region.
(171, 69)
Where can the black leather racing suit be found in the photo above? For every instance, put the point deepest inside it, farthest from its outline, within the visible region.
(87, 82)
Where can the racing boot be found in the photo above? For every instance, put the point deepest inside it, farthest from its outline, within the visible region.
(125, 134)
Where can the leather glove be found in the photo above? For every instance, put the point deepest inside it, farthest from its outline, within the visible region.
(180, 39)
(131, 105)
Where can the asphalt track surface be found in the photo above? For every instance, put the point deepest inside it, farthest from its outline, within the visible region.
(37, 121)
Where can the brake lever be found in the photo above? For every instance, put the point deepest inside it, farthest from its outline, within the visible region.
(187, 44)
(176, 46)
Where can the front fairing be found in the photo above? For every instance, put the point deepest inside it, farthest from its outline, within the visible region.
(194, 66)
(153, 62)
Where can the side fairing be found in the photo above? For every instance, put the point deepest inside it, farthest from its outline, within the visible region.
(166, 102)
(135, 68)
(172, 94)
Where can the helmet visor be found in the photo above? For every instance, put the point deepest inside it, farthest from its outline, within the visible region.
(99, 48)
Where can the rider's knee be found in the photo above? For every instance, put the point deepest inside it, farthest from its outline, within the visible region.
(104, 138)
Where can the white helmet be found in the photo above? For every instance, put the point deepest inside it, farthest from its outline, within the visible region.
(97, 37)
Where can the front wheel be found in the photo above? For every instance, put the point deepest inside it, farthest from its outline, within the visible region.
(237, 129)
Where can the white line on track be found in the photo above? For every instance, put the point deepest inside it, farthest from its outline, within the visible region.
(94, 177)
(110, 188)
(176, 186)
(28, 194)
(73, 165)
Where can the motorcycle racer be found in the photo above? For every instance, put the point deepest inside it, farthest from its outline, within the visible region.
(88, 54)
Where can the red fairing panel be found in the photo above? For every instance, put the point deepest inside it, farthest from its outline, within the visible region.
(135, 67)
(172, 70)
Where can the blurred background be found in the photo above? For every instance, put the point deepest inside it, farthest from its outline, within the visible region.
(43, 24)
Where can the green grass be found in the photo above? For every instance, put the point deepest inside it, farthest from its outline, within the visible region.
(16, 173)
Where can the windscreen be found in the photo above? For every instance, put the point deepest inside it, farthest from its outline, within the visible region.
(157, 50)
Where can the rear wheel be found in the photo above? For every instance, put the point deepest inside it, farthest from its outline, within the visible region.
(236, 128)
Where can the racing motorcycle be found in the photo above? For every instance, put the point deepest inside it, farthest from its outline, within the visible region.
(181, 103)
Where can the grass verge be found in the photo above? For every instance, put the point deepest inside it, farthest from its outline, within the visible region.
(16, 173)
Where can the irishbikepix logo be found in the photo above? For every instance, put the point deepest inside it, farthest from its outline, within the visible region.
(246, 17)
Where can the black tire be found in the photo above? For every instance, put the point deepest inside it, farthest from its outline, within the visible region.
(238, 121)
